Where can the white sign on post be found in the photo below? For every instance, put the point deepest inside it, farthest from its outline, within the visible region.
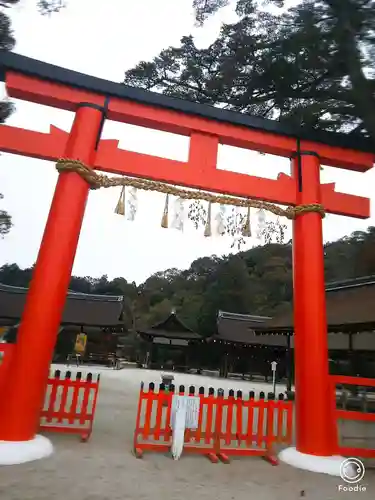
(273, 368)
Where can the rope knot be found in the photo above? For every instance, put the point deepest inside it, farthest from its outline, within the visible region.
(312, 207)
(91, 177)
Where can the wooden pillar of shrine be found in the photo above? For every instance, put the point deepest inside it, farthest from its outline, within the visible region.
(24, 393)
(314, 419)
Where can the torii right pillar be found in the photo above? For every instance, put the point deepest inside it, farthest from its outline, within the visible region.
(314, 425)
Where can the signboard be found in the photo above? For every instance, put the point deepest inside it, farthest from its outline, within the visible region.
(273, 368)
(191, 406)
(80, 345)
(180, 342)
(161, 340)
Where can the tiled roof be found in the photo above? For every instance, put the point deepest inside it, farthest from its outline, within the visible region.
(80, 309)
(350, 305)
(350, 308)
(173, 328)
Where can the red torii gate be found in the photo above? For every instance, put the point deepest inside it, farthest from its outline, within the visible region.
(93, 100)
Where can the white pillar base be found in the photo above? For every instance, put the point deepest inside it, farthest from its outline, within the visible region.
(325, 465)
(20, 452)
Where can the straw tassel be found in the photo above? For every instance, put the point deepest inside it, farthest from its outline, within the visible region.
(120, 207)
(164, 219)
(207, 229)
(246, 231)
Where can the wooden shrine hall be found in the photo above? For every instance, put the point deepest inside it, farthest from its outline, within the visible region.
(98, 316)
(243, 351)
(248, 343)
(170, 345)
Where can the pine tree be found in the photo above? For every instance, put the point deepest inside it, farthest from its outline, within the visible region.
(312, 65)
(7, 42)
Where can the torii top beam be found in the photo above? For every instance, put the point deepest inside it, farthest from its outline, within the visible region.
(11, 62)
(207, 127)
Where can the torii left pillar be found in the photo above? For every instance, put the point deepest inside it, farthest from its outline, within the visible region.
(23, 396)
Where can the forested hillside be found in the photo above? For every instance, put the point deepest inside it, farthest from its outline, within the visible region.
(258, 281)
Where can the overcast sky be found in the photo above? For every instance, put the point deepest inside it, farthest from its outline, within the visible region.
(104, 39)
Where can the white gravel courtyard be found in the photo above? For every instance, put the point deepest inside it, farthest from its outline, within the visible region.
(105, 469)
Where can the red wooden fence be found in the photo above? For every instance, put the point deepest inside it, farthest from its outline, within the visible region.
(70, 404)
(227, 426)
(345, 414)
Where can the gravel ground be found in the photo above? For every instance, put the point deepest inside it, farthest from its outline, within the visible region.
(105, 469)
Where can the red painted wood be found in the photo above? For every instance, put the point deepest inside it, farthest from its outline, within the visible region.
(53, 384)
(64, 396)
(229, 403)
(339, 414)
(199, 172)
(75, 396)
(52, 94)
(270, 437)
(232, 135)
(48, 93)
(239, 416)
(217, 434)
(313, 403)
(60, 417)
(343, 379)
(22, 399)
(349, 451)
(45, 146)
(261, 404)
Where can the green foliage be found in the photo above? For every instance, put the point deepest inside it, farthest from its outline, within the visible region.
(258, 281)
(311, 65)
(5, 221)
(229, 285)
(7, 42)
(8, 3)
(48, 7)
(205, 8)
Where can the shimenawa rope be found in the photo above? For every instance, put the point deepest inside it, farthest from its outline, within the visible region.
(97, 181)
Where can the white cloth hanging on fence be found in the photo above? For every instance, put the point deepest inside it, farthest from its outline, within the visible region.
(178, 425)
(184, 415)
